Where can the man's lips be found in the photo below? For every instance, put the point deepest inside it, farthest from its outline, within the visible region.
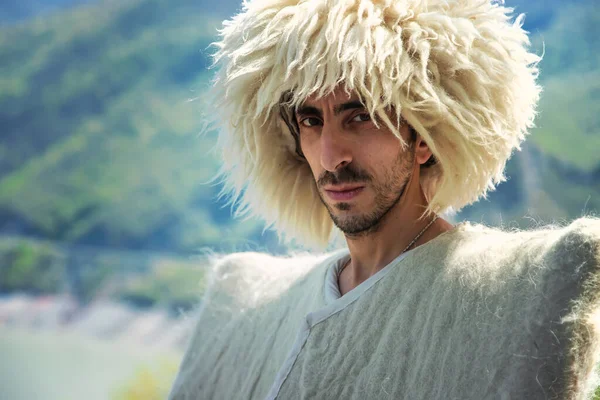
(343, 192)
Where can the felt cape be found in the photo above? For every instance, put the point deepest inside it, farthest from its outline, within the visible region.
(477, 313)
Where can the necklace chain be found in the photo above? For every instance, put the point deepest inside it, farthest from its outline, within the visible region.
(420, 234)
(407, 247)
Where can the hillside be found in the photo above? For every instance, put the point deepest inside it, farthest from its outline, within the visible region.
(99, 140)
(99, 136)
(557, 175)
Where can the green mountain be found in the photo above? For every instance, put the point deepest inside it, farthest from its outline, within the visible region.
(99, 128)
(557, 175)
(569, 123)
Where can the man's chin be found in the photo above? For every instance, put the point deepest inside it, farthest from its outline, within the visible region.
(356, 226)
(345, 213)
(347, 221)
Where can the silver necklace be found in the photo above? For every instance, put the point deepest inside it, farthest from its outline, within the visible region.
(403, 251)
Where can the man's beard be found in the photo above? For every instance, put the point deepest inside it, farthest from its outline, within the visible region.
(387, 195)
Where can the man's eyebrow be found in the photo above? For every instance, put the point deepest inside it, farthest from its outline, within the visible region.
(338, 109)
(351, 105)
(308, 110)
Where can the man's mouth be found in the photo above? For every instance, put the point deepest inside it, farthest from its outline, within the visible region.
(343, 192)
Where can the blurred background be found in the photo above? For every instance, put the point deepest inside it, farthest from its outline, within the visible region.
(106, 216)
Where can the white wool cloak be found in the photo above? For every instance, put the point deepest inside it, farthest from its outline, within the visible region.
(477, 313)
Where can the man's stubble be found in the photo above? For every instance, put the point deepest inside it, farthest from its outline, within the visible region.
(387, 194)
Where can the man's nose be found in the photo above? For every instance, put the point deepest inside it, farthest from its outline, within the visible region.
(335, 152)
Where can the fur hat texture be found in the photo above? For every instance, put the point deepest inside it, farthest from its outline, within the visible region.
(460, 72)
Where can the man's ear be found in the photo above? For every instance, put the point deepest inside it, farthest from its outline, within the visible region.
(423, 154)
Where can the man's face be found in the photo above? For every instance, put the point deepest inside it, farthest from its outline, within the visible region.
(360, 170)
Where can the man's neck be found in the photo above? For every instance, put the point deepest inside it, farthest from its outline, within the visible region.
(372, 252)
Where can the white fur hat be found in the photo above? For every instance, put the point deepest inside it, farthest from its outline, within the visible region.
(459, 71)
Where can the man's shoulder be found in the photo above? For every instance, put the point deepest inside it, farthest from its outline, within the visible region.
(250, 278)
(489, 253)
(264, 263)
(572, 236)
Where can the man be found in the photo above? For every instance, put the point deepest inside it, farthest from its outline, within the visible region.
(367, 181)
(376, 117)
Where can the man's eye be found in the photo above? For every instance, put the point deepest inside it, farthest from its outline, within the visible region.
(363, 117)
(310, 121)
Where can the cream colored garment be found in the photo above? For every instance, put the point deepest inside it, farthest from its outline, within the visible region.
(476, 313)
